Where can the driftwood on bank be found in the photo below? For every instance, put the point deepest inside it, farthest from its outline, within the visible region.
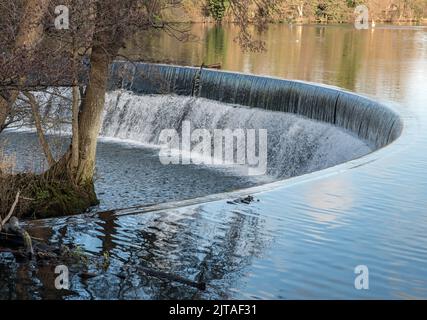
(12, 209)
(13, 229)
(12, 233)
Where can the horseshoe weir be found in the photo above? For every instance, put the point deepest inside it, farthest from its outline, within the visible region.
(368, 119)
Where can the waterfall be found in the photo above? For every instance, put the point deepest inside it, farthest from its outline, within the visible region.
(310, 127)
(296, 145)
(367, 119)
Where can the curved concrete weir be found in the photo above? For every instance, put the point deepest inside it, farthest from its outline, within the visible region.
(368, 119)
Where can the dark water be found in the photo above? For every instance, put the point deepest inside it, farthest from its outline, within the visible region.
(129, 174)
(304, 238)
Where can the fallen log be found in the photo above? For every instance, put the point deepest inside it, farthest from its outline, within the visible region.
(201, 285)
(13, 235)
(209, 66)
(214, 66)
(173, 277)
(17, 235)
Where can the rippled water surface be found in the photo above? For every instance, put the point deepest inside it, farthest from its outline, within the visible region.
(129, 174)
(302, 239)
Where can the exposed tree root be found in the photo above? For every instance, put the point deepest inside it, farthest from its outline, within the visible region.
(44, 196)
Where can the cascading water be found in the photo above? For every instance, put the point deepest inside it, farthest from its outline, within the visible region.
(367, 119)
(296, 145)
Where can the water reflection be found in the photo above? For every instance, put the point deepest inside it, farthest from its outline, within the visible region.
(369, 61)
(214, 253)
(328, 201)
(301, 241)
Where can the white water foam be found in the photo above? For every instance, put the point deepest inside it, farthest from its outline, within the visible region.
(296, 145)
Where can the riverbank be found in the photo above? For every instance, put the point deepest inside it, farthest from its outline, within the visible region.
(193, 11)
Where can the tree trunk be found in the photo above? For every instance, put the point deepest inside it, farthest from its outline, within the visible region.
(90, 115)
(73, 175)
(75, 153)
(79, 179)
(4, 112)
(40, 132)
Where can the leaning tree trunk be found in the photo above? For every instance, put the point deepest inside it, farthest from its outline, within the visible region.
(29, 35)
(90, 115)
(39, 127)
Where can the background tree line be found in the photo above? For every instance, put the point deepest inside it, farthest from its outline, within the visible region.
(324, 11)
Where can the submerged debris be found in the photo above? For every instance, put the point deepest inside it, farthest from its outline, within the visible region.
(87, 275)
(12, 231)
(17, 241)
(245, 200)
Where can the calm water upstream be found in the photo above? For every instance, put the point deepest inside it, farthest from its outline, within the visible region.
(303, 238)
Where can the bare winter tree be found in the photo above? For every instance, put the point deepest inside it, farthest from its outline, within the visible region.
(21, 53)
(39, 55)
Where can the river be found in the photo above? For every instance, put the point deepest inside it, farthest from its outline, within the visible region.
(301, 240)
